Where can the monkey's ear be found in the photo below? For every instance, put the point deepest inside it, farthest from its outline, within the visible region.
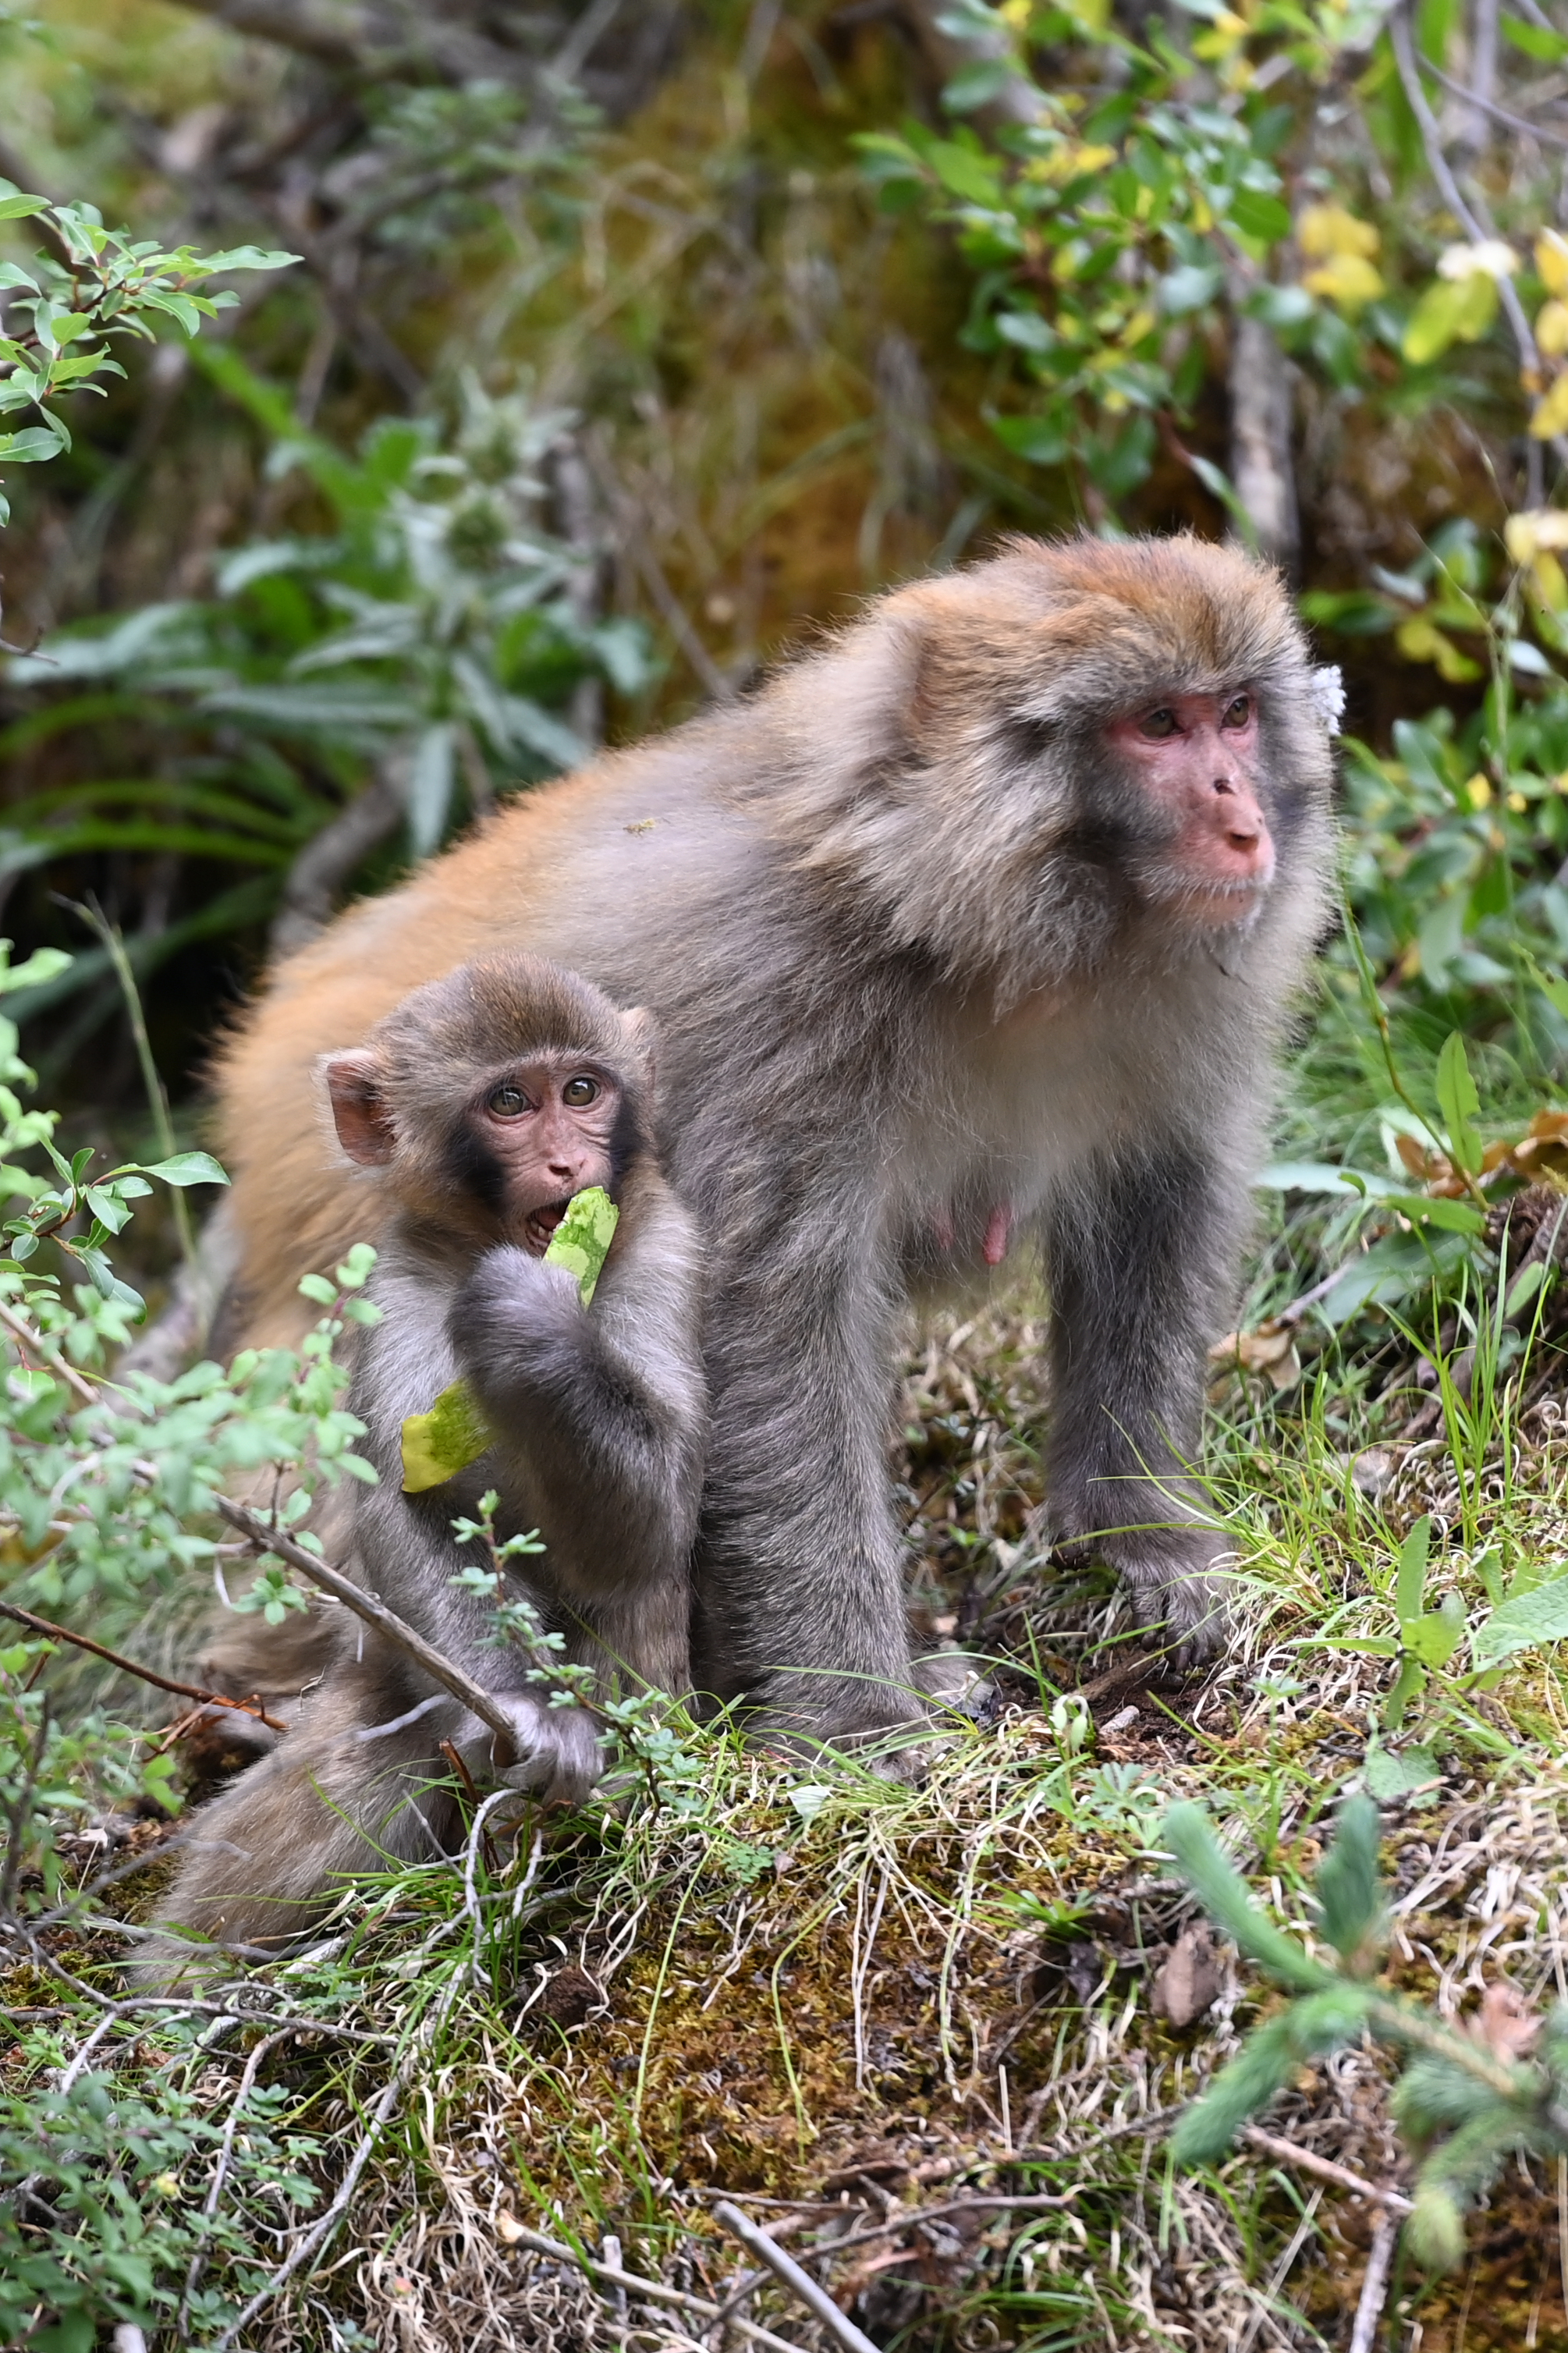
(360, 1113)
(642, 1029)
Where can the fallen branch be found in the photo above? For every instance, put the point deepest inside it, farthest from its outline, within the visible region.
(1308, 2161)
(799, 2283)
(375, 1613)
(908, 2217)
(130, 1667)
(1375, 2286)
(653, 2291)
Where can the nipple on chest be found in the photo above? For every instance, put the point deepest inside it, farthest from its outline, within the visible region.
(998, 1232)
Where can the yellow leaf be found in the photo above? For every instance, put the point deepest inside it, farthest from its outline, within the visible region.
(1552, 330)
(1551, 260)
(1550, 416)
(1323, 229)
(1419, 639)
(1549, 583)
(1526, 535)
(1452, 310)
(1479, 790)
(1345, 279)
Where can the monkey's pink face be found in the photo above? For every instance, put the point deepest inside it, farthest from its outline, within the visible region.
(548, 1125)
(1197, 756)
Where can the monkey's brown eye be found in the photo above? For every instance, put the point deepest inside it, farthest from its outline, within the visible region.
(1237, 712)
(1159, 723)
(508, 1102)
(578, 1091)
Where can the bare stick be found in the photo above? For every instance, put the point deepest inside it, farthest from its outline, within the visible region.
(23, 1332)
(375, 1613)
(130, 1667)
(1325, 2169)
(652, 2291)
(801, 2285)
(1375, 2286)
(908, 2217)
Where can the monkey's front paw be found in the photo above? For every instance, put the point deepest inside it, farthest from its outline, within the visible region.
(551, 1752)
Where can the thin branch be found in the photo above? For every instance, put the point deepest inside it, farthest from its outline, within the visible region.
(799, 2283)
(27, 1337)
(652, 2291)
(375, 1613)
(198, 2262)
(1374, 2285)
(908, 2217)
(330, 858)
(16, 1815)
(130, 1667)
(310, 2242)
(1447, 186)
(1489, 106)
(1308, 2161)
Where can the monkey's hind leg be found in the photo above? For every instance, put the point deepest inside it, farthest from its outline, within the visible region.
(272, 1852)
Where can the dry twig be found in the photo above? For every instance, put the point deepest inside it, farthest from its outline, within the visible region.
(129, 1666)
(799, 2283)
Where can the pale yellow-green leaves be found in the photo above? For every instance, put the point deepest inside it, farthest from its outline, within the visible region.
(1343, 249)
(1535, 541)
(1460, 306)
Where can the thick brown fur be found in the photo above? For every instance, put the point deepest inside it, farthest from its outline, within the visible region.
(902, 922)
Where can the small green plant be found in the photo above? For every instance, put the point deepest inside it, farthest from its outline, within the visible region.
(1465, 2100)
(105, 283)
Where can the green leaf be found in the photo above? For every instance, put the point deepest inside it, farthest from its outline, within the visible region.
(1259, 216)
(438, 1444)
(17, 206)
(107, 1209)
(188, 1168)
(1522, 1622)
(34, 446)
(1411, 1582)
(1032, 437)
(1535, 40)
(1349, 1885)
(1435, 1638)
(1428, 1209)
(244, 257)
(1391, 1775)
(1460, 1104)
(1408, 1684)
(966, 171)
(581, 1242)
(44, 964)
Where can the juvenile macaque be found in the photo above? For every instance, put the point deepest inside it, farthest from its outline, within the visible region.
(478, 1109)
(977, 925)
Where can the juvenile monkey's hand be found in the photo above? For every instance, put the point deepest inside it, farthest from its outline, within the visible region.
(512, 1306)
(552, 1752)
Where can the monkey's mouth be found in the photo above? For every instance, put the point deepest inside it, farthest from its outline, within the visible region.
(540, 1224)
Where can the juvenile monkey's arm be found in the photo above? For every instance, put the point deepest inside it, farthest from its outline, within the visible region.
(602, 1410)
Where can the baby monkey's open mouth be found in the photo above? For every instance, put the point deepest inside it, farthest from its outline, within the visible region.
(540, 1224)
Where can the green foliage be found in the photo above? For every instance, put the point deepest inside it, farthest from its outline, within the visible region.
(428, 634)
(97, 2224)
(107, 283)
(1464, 2102)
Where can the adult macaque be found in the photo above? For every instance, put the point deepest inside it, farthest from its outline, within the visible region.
(979, 922)
(477, 1110)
